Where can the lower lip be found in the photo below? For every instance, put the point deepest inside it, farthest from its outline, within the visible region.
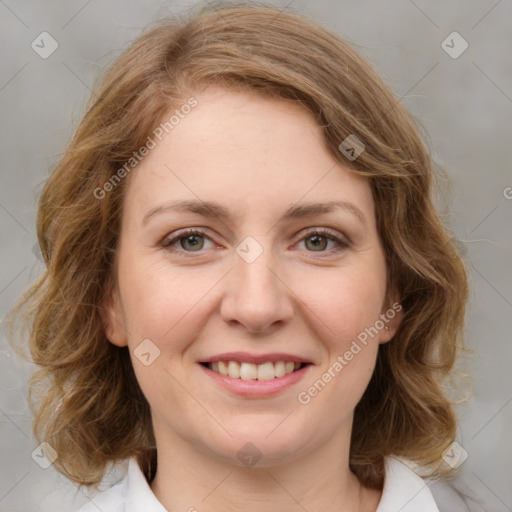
(257, 388)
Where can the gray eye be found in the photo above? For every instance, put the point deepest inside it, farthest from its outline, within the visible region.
(194, 242)
(319, 242)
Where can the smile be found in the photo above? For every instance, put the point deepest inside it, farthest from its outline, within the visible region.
(250, 371)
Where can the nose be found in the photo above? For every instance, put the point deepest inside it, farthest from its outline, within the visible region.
(257, 296)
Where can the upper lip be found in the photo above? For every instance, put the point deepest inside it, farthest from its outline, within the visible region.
(245, 357)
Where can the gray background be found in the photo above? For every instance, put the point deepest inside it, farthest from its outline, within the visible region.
(465, 104)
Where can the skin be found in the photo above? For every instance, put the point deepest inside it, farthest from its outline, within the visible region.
(256, 157)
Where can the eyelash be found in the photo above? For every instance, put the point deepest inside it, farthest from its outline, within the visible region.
(327, 233)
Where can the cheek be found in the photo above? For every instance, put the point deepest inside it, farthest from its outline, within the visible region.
(159, 300)
(345, 312)
(345, 302)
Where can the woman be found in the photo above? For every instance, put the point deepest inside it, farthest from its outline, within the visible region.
(249, 294)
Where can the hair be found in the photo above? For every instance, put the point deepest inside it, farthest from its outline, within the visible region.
(87, 403)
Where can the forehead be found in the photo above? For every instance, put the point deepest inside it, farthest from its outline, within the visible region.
(252, 153)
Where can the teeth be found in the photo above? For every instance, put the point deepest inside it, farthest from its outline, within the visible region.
(251, 371)
(234, 370)
(248, 371)
(280, 368)
(266, 371)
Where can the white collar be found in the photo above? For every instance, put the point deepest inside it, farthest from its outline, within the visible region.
(404, 491)
(139, 496)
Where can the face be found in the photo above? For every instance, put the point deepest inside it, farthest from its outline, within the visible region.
(248, 271)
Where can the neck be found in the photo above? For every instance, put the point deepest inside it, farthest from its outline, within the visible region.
(191, 479)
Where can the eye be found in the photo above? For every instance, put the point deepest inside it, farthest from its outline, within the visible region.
(192, 240)
(188, 240)
(317, 240)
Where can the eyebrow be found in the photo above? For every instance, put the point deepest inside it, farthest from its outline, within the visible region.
(214, 210)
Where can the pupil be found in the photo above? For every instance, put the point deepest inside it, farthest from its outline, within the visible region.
(192, 240)
(317, 241)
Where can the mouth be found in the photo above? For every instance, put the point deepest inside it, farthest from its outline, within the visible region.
(245, 370)
(250, 375)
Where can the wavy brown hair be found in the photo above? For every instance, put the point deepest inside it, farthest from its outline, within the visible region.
(87, 402)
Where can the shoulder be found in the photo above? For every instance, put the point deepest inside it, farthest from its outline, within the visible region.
(406, 491)
(450, 498)
(113, 489)
(111, 500)
(131, 494)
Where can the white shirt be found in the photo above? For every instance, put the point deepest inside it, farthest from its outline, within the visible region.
(404, 491)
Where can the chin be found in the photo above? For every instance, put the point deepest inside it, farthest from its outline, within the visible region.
(255, 447)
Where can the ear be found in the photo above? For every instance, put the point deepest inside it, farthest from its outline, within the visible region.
(113, 318)
(391, 315)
